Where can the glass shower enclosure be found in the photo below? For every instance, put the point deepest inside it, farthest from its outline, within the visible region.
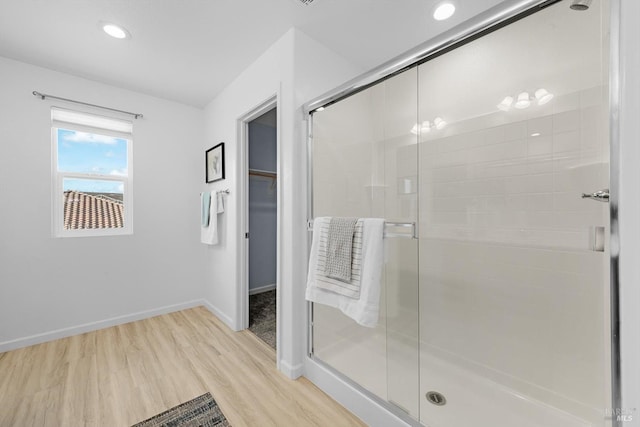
(490, 163)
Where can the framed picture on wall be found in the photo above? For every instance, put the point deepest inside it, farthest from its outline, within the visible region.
(214, 159)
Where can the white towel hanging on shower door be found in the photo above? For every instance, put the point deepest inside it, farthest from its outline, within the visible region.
(365, 307)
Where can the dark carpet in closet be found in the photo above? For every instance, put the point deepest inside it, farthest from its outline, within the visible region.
(262, 316)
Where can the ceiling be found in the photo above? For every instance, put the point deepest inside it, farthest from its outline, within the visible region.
(189, 50)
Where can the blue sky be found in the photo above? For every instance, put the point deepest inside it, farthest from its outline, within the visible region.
(91, 153)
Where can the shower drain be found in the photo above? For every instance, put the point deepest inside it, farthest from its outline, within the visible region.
(436, 398)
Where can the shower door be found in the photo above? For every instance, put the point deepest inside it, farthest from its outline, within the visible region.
(365, 164)
(514, 276)
(494, 159)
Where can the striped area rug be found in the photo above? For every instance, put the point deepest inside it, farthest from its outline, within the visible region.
(202, 411)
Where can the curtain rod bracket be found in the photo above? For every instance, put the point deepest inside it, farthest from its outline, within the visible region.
(43, 96)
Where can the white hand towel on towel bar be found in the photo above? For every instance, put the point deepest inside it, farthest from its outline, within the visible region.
(209, 233)
(220, 201)
(364, 307)
(205, 205)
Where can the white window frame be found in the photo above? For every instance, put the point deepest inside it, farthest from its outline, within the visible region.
(58, 177)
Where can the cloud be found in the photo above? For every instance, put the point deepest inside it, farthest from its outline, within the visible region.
(118, 172)
(87, 137)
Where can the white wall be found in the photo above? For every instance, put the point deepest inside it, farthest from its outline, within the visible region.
(261, 81)
(70, 285)
(295, 69)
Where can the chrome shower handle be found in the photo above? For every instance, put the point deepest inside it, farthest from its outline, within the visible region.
(601, 196)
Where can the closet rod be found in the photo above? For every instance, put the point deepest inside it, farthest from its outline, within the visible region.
(258, 172)
(44, 96)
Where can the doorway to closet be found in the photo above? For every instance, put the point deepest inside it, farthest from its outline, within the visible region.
(262, 154)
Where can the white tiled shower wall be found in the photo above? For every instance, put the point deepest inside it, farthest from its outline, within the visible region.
(520, 176)
(510, 289)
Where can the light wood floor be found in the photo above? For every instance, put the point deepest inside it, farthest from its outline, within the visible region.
(122, 375)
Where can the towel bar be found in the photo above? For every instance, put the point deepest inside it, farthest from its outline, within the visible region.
(400, 225)
(387, 225)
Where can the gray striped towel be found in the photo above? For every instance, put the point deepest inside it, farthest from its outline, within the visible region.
(349, 288)
(339, 248)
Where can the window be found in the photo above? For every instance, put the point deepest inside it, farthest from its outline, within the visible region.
(91, 174)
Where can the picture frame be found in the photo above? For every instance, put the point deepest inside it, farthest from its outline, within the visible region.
(214, 163)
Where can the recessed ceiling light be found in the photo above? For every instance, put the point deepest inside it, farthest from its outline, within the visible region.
(115, 31)
(444, 11)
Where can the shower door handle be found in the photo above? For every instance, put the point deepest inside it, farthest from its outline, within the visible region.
(600, 196)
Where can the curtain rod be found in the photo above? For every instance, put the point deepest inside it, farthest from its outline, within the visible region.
(44, 95)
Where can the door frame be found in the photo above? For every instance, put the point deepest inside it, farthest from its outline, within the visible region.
(243, 211)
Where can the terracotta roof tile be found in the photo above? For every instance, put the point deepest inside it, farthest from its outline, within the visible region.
(87, 211)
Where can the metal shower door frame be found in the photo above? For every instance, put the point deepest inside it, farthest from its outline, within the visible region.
(488, 21)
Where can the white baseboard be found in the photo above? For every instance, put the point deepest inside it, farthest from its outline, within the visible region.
(261, 289)
(291, 371)
(94, 326)
(220, 315)
(361, 405)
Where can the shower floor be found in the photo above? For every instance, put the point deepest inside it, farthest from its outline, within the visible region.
(472, 398)
(262, 316)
